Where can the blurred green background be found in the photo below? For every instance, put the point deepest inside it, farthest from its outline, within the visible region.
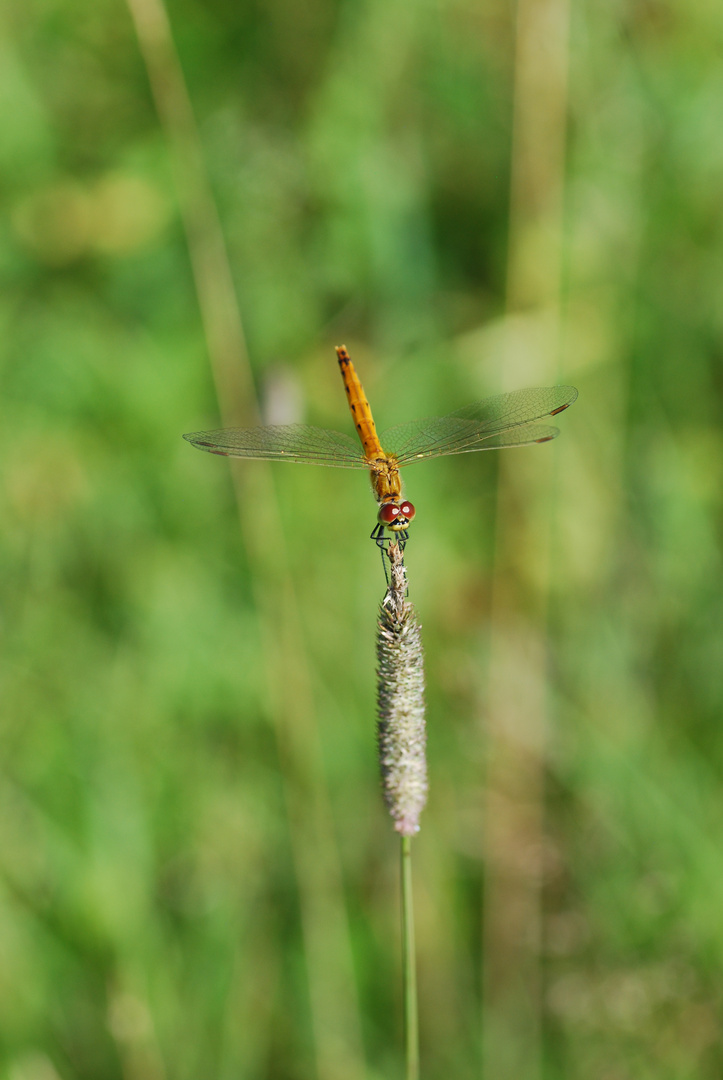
(197, 877)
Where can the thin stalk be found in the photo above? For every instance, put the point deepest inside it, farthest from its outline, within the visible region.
(409, 966)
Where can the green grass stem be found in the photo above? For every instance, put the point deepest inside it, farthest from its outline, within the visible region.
(409, 966)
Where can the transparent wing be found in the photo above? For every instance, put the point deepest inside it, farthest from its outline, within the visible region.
(506, 420)
(293, 442)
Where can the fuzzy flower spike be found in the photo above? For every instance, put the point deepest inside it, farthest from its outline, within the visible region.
(401, 730)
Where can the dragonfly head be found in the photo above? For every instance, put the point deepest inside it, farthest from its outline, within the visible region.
(396, 516)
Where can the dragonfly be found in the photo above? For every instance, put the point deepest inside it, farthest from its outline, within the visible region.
(505, 420)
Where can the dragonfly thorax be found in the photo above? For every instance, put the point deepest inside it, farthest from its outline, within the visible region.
(385, 478)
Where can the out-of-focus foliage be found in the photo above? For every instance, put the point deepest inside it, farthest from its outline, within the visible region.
(150, 916)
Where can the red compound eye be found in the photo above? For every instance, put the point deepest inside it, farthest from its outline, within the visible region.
(408, 510)
(388, 513)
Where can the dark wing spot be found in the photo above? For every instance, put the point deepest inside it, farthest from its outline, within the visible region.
(548, 438)
(556, 411)
(221, 453)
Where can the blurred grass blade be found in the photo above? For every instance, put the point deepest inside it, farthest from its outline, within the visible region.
(514, 820)
(334, 1006)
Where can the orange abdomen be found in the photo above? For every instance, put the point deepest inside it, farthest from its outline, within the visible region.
(360, 410)
(383, 468)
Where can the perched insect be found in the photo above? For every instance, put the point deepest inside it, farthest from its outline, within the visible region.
(505, 420)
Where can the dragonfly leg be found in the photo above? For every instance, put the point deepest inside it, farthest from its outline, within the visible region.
(377, 535)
